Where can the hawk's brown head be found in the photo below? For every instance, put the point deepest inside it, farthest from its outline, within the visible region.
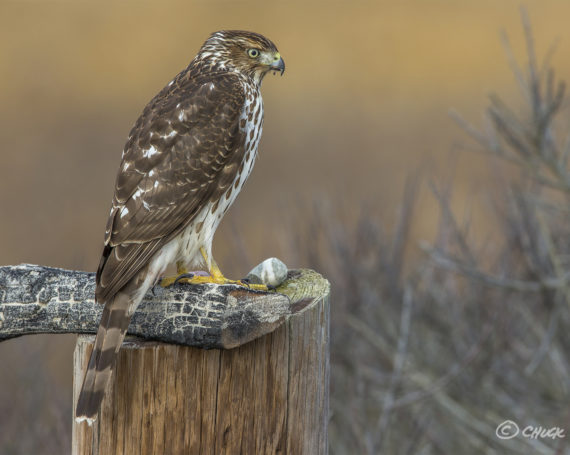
(246, 52)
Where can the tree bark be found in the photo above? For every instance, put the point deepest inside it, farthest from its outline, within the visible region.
(36, 299)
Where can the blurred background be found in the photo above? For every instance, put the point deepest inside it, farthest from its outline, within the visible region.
(360, 162)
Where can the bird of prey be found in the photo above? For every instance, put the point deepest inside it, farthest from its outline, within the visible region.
(186, 159)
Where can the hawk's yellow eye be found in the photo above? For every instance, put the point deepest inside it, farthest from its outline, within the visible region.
(253, 53)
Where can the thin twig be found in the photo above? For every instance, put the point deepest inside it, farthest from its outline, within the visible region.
(402, 348)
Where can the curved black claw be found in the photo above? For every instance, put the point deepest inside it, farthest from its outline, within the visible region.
(189, 275)
(247, 281)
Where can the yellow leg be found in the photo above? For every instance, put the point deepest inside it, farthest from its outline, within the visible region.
(180, 270)
(216, 276)
(215, 271)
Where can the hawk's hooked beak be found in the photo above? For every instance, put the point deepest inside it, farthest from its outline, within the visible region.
(278, 64)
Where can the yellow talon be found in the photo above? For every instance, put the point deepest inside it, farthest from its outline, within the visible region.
(218, 280)
(216, 276)
(180, 270)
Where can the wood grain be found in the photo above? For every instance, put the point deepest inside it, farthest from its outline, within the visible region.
(269, 396)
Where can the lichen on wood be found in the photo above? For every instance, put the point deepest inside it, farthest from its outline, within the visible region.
(36, 299)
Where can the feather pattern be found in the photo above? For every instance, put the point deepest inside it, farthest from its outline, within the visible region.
(185, 160)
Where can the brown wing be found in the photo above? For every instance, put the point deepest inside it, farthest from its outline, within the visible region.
(183, 151)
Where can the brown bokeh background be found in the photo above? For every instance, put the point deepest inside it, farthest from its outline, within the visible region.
(364, 102)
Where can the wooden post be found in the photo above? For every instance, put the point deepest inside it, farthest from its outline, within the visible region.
(267, 396)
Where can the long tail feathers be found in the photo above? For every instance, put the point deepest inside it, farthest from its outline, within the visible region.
(112, 330)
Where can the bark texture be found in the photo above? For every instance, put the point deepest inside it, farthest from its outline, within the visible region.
(36, 299)
(269, 396)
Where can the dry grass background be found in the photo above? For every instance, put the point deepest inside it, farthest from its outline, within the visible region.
(425, 360)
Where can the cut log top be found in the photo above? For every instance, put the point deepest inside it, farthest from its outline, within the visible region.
(37, 299)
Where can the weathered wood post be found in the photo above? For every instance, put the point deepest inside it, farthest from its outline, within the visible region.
(262, 388)
(267, 396)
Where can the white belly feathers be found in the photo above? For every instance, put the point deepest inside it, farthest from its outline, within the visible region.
(208, 219)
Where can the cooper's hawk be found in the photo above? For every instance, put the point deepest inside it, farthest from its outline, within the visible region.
(185, 161)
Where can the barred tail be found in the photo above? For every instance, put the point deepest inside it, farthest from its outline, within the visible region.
(112, 329)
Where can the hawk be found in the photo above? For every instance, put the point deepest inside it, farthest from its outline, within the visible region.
(186, 159)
